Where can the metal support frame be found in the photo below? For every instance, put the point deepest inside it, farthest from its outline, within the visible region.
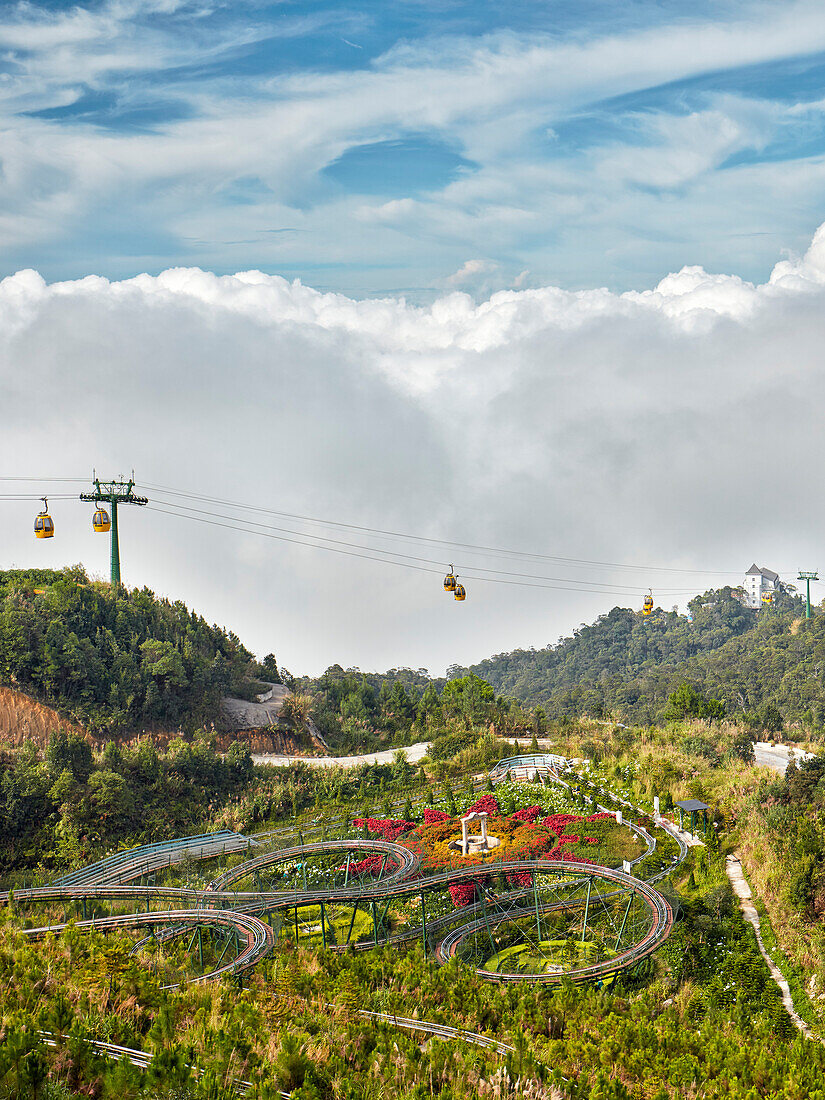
(808, 575)
(536, 899)
(352, 922)
(225, 949)
(624, 922)
(114, 493)
(486, 920)
(587, 907)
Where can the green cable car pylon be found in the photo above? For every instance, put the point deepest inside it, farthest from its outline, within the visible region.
(808, 575)
(112, 493)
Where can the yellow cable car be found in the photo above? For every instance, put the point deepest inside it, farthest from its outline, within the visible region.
(101, 521)
(449, 581)
(767, 597)
(647, 606)
(459, 593)
(43, 523)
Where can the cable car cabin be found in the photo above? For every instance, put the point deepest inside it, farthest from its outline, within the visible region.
(101, 521)
(44, 525)
(767, 597)
(450, 581)
(459, 593)
(647, 607)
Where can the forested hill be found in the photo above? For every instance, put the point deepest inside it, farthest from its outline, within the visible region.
(114, 659)
(626, 666)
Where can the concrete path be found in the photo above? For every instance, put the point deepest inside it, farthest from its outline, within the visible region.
(743, 892)
(414, 753)
(777, 757)
(239, 714)
(671, 827)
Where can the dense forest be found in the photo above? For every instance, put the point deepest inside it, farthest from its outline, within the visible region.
(112, 658)
(626, 666)
(358, 711)
(60, 808)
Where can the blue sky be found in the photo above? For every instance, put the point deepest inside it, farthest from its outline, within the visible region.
(411, 147)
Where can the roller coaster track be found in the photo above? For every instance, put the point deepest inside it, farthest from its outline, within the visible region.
(208, 905)
(113, 879)
(255, 937)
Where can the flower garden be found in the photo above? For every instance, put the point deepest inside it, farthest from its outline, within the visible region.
(527, 833)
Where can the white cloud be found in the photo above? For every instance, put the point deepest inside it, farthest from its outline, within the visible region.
(674, 426)
(83, 188)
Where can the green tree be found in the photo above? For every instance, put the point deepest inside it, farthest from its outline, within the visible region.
(110, 796)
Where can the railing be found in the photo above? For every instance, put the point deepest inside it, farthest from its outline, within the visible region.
(133, 862)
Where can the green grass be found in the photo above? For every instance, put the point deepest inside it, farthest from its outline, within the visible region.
(794, 978)
(338, 920)
(550, 956)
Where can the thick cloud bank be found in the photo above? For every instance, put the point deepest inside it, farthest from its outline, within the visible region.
(676, 427)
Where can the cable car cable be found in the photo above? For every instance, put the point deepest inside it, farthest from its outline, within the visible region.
(599, 585)
(439, 542)
(164, 510)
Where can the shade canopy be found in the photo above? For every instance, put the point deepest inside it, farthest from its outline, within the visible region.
(691, 804)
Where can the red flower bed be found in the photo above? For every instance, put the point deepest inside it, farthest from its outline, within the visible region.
(601, 817)
(529, 813)
(590, 839)
(388, 828)
(369, 866)
(485, 805)
(464, 893)
(557, 823)
(432, 817)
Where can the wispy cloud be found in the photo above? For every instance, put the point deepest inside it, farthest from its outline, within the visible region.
(218, 121)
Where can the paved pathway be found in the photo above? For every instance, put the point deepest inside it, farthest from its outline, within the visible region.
(671, 827)
(414, 753)
(777, 757)
(241, 714)
(745, 895)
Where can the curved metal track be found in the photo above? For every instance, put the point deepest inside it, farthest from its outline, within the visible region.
(217, 904)
(253, 933)
(207, 906)
(407, 862)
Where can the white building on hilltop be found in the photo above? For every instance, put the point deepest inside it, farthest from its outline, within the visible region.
(759, 582)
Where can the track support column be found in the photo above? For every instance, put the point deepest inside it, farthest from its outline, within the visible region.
(536, 899)
(587, 907)
(624, 922)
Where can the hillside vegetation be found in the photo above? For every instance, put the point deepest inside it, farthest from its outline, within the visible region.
(111, 658)
(626, 666)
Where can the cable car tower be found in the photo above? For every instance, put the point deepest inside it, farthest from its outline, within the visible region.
(112, 493)
(808, 575)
